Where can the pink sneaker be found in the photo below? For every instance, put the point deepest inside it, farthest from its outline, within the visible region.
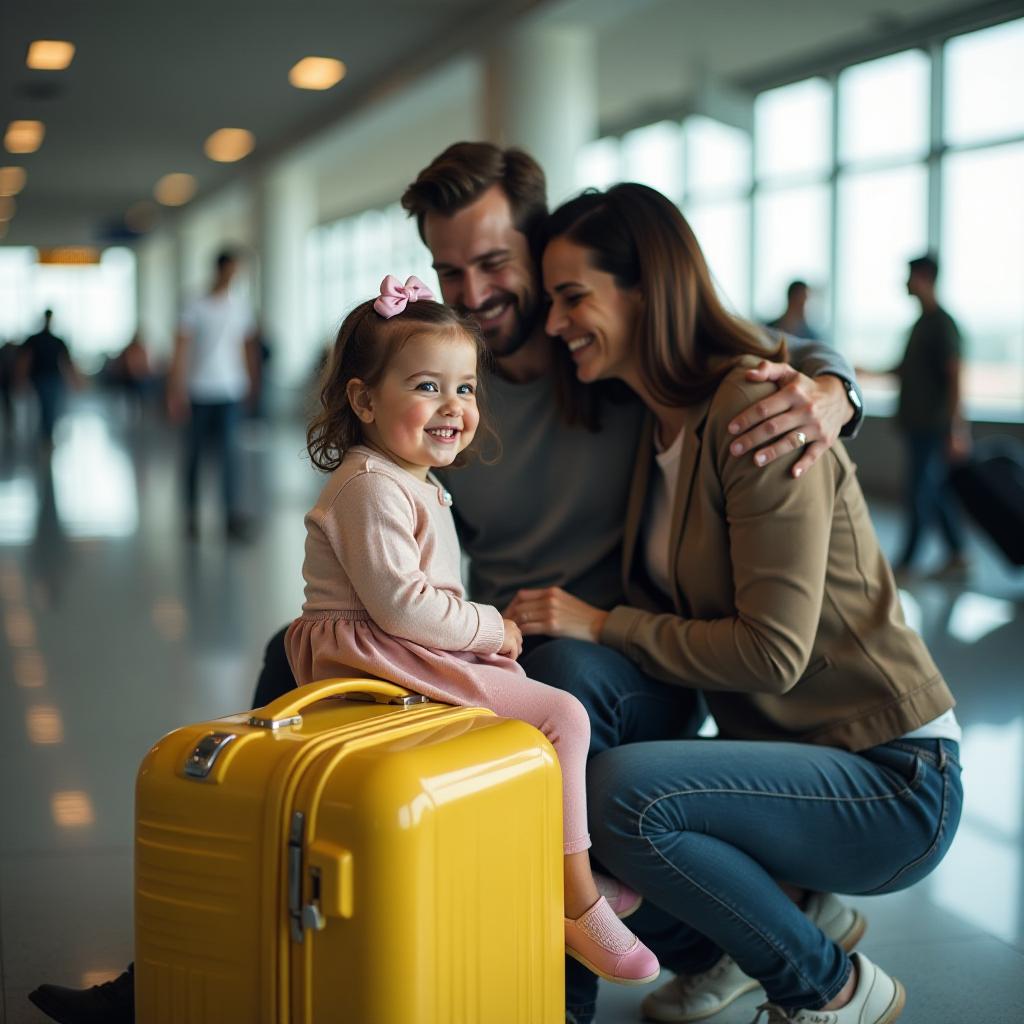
(623, 900)
(604, 945)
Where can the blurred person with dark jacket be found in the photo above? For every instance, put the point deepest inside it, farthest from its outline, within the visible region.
(48, 367)
(930, 418)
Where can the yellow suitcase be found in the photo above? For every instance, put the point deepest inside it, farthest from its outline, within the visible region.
(350, 853)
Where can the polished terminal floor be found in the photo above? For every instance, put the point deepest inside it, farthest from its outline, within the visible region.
(117, 630)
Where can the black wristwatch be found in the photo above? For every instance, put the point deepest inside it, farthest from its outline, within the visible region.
(853, 395)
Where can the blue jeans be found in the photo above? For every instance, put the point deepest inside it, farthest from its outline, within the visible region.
(929, 496)
(213, 425)
(625, 706)
(704, 829)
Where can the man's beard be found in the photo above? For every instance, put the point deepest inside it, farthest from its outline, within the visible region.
(524, 323)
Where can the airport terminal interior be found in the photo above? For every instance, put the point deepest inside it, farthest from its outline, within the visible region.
(818, 141)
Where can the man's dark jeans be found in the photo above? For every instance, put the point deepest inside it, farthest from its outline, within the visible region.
(625, 706)
(213, 426)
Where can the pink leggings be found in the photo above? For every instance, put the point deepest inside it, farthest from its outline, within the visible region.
(564, 721)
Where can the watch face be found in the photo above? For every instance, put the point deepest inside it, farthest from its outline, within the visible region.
(851, 393)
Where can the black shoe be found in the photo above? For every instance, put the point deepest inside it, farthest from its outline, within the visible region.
(113, 1002)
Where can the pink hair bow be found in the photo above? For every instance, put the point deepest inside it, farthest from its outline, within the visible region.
(395, 296)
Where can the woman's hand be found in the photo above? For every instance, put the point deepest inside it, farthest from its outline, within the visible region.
(553, 612)
(512, 642)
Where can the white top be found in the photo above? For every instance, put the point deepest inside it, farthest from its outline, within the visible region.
(657, 530)
(661, 500)
(218, 326)
(945, 727)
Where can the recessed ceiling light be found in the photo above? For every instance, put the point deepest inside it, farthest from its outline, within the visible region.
(50, 54)
(316, 73)
(175, 189)
(12, 180)
(7, 208)
(229, 144)
(24, 136)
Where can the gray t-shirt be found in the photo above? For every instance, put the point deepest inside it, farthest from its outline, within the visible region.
(551, 511)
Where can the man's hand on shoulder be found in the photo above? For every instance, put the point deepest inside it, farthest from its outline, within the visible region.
(804, 413)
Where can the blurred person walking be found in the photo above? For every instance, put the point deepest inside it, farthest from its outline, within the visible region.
(213, 372)
(931, 420)
(8, 381)
(794, 320)
(48, 366)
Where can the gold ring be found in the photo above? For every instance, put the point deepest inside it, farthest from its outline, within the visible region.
(801, 438)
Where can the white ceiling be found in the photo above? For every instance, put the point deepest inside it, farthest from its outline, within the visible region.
(151, 79)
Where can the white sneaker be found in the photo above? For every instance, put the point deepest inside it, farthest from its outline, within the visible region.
(844, 925)
(878, 999)
(689, 997)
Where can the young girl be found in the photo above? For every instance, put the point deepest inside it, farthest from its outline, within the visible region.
(383, 591)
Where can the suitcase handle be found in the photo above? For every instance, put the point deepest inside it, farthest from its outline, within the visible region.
(286, 708)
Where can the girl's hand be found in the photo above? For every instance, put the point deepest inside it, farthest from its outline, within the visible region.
(553, 612)
(512, 644)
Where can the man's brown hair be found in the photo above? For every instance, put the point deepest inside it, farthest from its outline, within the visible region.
(465, 170)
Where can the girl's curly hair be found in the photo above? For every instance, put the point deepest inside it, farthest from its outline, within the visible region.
(365, 345)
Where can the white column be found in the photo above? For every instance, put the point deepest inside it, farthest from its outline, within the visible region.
(286, 210)
(541, 95)
(158, 290)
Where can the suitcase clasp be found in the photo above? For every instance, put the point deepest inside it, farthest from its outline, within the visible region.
(330, 877)
(201, 761)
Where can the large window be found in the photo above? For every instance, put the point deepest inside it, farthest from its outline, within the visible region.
(882, 224)
(350, 257)
(791, 232)
(793, 132)
(703, 165)
(793, 160)
(883, 109)
(93, 305)
(982, 272)
(844, 205)
(984, 85)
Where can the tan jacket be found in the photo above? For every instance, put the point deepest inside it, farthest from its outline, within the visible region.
(784, 609)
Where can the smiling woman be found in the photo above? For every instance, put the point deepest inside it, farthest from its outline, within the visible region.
(761, 592)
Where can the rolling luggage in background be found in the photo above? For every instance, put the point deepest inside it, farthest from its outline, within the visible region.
(350, 853)
(991, 488)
